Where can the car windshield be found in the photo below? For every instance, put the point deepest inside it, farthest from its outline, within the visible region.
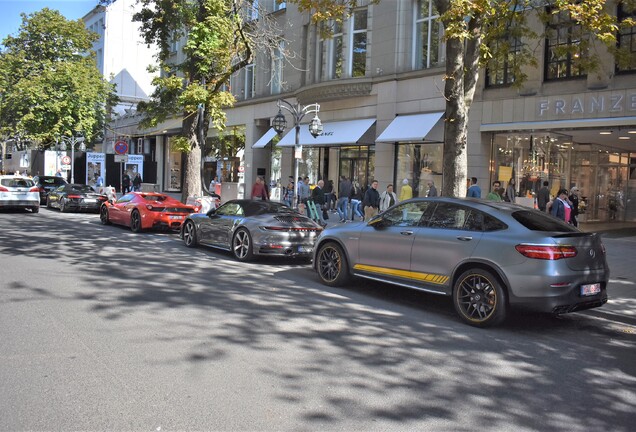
(154, 198)
(52, 181)
(255, 208)
(79, 188)
(538, 221)
(16, 182)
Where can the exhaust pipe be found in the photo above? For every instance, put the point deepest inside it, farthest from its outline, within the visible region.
(288, 251)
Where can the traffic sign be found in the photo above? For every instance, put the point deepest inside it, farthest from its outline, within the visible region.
(121, 158)
(121, 147)
(66, 160)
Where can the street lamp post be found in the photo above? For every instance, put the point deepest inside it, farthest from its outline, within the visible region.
(73, 141)
(279, 123)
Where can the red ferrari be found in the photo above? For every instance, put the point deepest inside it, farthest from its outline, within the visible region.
(145, 210)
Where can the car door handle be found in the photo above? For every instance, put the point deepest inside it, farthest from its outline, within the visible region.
(464, 238)
(406, 233)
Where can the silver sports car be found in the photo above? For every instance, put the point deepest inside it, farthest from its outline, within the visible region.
(488, 256)
(250, 227)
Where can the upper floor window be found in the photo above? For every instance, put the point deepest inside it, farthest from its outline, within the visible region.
(250, 82)
(277, 69)
(564, 50)
(626, 41)
(500, 70)
(428, 44)
(358, 52)
(251, 10)
(335, 52)
(278, 5)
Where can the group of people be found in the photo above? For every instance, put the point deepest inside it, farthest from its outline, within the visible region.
(351, 202)
(564, 206)
(129, 185)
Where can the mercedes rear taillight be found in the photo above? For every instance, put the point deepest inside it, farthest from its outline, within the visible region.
(546, 252)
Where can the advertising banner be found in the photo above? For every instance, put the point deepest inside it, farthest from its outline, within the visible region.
(134, 166)
(95, 169)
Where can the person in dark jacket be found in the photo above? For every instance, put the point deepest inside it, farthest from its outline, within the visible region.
(356, 201)
(543, 197)
(371, 201)
(561, 206)
(318, 197)
(125, 183)
(344, 190)
(574, 200)
(137, 183)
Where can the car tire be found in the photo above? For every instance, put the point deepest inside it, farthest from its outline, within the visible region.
(135, 221)
(242, 245)
(189, 234)
(35, 209)
(332, 265)
(480, 298)
(103, 215)
(63, 206)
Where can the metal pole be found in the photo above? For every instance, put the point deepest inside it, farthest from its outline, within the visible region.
(73, 161)
(295, 198)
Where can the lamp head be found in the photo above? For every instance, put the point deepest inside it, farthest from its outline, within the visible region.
(279, 123)
(315, 127)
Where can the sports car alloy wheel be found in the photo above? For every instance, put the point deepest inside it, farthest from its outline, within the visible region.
(332, 265)
(479, 298)
(135, 221)
(190, 234)
(48, 202)
(242, 245)
(63, 206)
(103, 215)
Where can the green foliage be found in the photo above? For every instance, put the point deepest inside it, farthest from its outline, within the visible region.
(49, 82)
(181, 144)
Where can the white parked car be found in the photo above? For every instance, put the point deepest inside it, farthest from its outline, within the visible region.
(19, 192)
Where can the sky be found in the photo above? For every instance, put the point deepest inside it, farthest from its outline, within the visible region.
(10, 10)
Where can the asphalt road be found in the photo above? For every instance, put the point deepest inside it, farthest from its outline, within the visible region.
(103, 329)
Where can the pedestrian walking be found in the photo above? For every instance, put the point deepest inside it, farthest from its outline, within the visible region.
(137, 182)
(371, 201)
(407, 191)
(387, 198)
(561, 207)
(344, 191)
(474, 191)
(318, 197)
(356, 201)
(258, 190)
(543, 196)
(493, 195)
(432, 190)
(511, 192)
(125, 183)
(574, 201)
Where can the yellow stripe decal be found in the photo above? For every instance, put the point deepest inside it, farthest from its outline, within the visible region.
(425, 277)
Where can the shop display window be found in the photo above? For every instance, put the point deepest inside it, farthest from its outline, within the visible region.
(419, 164)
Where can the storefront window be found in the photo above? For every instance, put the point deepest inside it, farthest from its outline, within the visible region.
(358, 164)
(309, 165)
(600, 175)
(419, 164)
(173, 169)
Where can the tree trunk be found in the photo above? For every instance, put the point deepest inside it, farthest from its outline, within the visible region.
(192, 178)
(456, 122)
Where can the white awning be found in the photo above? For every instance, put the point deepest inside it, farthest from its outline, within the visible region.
(336, 133)
(559, 124)
(415, 127)
(265, 139)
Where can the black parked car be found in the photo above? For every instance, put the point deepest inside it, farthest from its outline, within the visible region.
(78, 197)
(46, 184)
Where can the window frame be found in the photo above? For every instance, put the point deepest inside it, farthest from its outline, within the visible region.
(571, 39)
(250, 78)
(353, 32)
(621, 15)
(430, 19)
(509, 78)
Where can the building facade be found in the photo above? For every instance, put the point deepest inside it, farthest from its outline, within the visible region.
(379, 83)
